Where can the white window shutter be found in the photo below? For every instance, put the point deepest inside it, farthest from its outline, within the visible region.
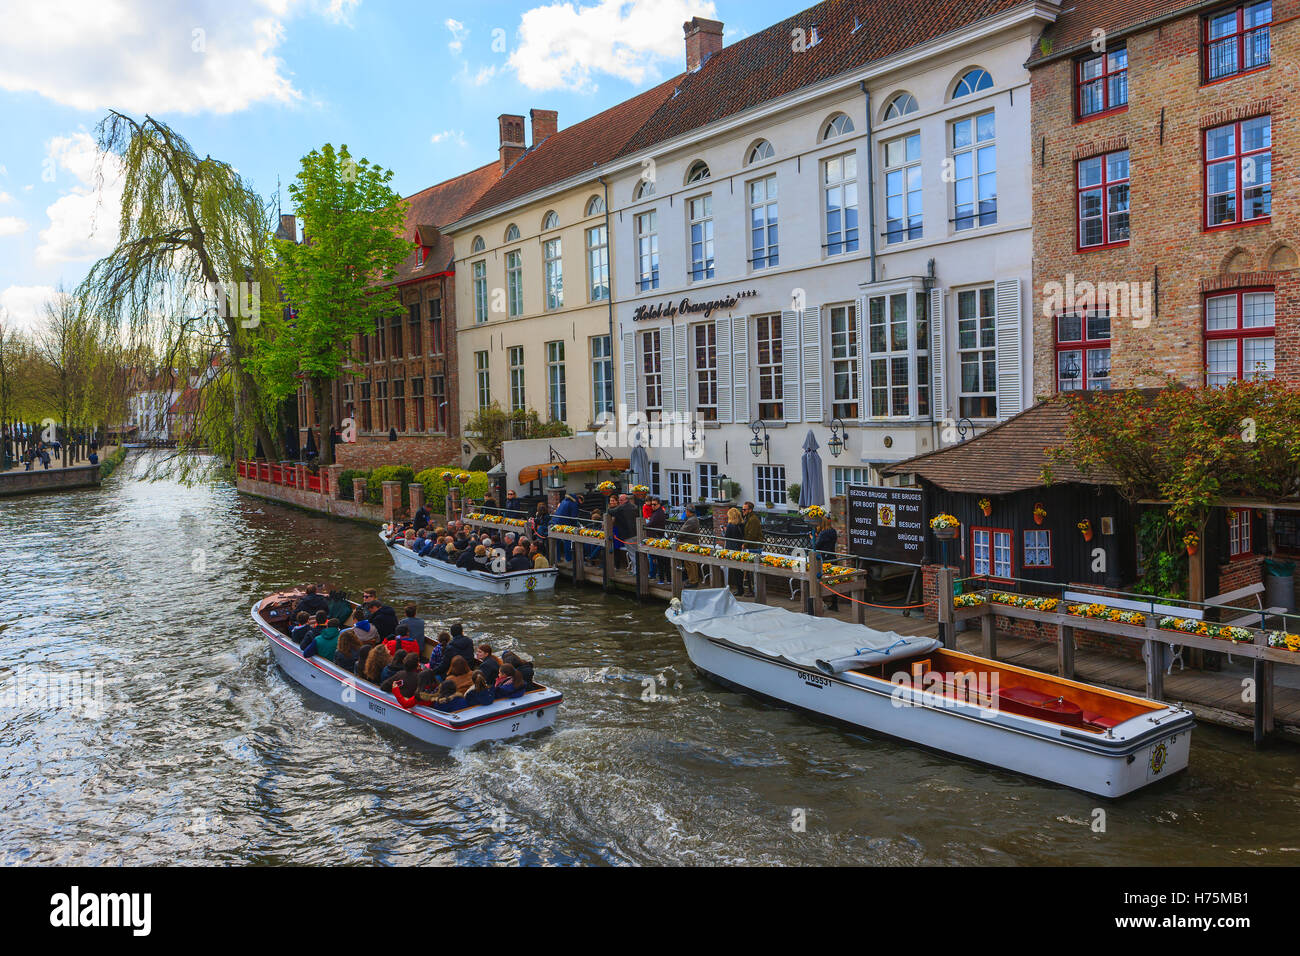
(791, 373)
(740, 368)
(811, 357)
(680, 379)
(723, 329)
(1008, 330)
(667, 394)
(629, 372)
(864, 363)
(938, 357)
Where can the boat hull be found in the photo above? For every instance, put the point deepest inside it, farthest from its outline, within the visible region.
(514, 582)
(502, 720)
(1106, 766)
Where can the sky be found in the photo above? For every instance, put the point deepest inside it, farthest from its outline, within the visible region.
(415, 87)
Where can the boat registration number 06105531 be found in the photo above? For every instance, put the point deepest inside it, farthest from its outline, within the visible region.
(1158, 756)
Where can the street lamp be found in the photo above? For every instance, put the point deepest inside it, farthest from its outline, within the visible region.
(722, 484)
(758, 445)
(838, 444)
(556, 482)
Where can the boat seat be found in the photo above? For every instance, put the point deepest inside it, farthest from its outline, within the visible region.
(1094, 719)
(1033, 703)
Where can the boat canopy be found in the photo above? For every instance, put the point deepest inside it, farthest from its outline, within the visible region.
(830, 646)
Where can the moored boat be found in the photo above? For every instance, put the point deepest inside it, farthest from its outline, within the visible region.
(507, 582)
(1088, 738)
(503, 719)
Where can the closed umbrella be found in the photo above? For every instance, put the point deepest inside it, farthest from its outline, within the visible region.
(811, 489)
(639, 465)
(311, 450)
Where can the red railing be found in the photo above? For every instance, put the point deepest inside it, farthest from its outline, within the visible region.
(284, 474)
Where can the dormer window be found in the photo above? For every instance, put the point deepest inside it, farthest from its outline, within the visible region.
(420, 253)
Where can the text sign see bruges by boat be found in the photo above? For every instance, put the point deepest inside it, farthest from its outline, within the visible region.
(668, 310)
(885, 523)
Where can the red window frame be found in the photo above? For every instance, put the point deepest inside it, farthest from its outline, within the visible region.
(1083, 345)
(1104, 187)
(1238, 332)
(1244, 546)
(1011, 552)
(1236, 157)
(1104, 79)
(1024, 550)
(1239, 34)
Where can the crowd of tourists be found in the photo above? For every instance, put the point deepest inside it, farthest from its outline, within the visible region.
(458, 544)
(446, 672)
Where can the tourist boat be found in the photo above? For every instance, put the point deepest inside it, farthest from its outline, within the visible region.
(1085, 737)
(509, 582)
(501, 720)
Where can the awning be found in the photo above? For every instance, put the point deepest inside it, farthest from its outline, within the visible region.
(534, 472)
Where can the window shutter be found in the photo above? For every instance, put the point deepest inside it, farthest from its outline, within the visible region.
(864, 362)
(811, 358)
(790, 370)
(740, 368)
(680, 379)
(667, 393)
(723, 328)
(1007, 324)
(629, 372)
(938, 357)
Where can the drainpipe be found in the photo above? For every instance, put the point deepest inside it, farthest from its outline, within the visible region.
(871, 181)
(609, 245)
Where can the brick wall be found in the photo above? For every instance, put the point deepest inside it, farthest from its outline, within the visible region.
(418, 451)
(1162, 128)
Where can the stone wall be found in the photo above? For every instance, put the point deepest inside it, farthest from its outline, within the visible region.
(40, 480)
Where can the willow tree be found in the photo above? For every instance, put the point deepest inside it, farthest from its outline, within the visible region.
(353, 224)
(191, 231)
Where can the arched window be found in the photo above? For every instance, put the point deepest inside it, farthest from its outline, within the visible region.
(595, 206)
(512, 232)
(759, 151)
(698, 172)
(972, 82)
(838, 125)
(644, 188)
(552, 221)
(900, 105)
(478, 244)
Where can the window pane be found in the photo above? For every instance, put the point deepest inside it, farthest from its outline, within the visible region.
(1257, 310)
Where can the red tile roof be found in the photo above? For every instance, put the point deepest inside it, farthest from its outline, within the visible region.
(437, 206)
(1072, 30)
(764, 66)
(1008, 457)
(577, 148)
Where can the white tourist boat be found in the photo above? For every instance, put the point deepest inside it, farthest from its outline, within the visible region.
(1085, 737)
(508, 582)
(501, 720)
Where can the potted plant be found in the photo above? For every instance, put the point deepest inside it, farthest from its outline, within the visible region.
(1039, 513)
(793, 491)
(1191, 542)
(986, 506)
(1085, 526)
(945, 526)
(769, 505)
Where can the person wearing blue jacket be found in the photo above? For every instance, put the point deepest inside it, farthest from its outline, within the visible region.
(481, 694)
(568, 508)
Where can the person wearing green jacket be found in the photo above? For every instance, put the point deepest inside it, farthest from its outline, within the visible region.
(753, 538)
(327, 641)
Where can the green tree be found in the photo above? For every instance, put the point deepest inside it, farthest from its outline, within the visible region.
(353, 225)
(492, 427)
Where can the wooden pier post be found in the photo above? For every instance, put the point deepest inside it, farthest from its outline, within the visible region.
(815, 585)
(943, 581)
(1065, 651)
(607, 559)
(675, 567)
(989, 634)
(1155, 669)
(760, 588)
(1263, 674)
(642, 562)
(859, 609)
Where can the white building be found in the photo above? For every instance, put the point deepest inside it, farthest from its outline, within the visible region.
(849, 251)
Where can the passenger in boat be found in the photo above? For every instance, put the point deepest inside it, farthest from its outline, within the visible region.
(734, 536)
(522, 667)
(363, 655)
(326, 643)
(348, 651)
(382, 617)
(449, 698)
(540, 561)
(519, 561)
(438, 551)
(340, 607)
(403, 641)
(459, 646)
(460, 673)
(483, 558)
(508, 683)
(426, 691)
(481, 694)
(414, 625)
(407, 677)
(488, 664)
(395, 663)
(439, 650)
(311, 602)
(301, 632)
(376, 661)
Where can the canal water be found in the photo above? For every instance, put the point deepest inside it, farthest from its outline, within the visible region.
(192, 747)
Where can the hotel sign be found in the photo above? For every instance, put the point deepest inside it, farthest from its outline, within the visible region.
(886, 523)
(669, 310)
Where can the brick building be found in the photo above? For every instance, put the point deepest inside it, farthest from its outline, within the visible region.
(400, 388)
(1154, 128)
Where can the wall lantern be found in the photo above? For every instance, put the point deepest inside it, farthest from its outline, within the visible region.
(759, 445)
(838, 444)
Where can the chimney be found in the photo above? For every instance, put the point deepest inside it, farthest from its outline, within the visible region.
(703, 39)
(545, 123)
(512, 139)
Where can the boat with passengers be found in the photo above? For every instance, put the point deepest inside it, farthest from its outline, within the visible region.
(533, 711)
(488, 581)
(1089, 738)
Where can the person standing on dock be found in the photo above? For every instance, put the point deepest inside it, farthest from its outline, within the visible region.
(656, 524)
(753, 538)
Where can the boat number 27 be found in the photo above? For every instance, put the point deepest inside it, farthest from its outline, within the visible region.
(814, 680)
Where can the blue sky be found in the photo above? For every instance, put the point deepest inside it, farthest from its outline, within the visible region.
(413, 86)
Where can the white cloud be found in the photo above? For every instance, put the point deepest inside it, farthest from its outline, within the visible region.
(84, 220)
(25, 304)
(563, 46)
(484, 74)
(5, 197)
(11, 226)
(153, 55)
(456, 136)
(458, 34)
